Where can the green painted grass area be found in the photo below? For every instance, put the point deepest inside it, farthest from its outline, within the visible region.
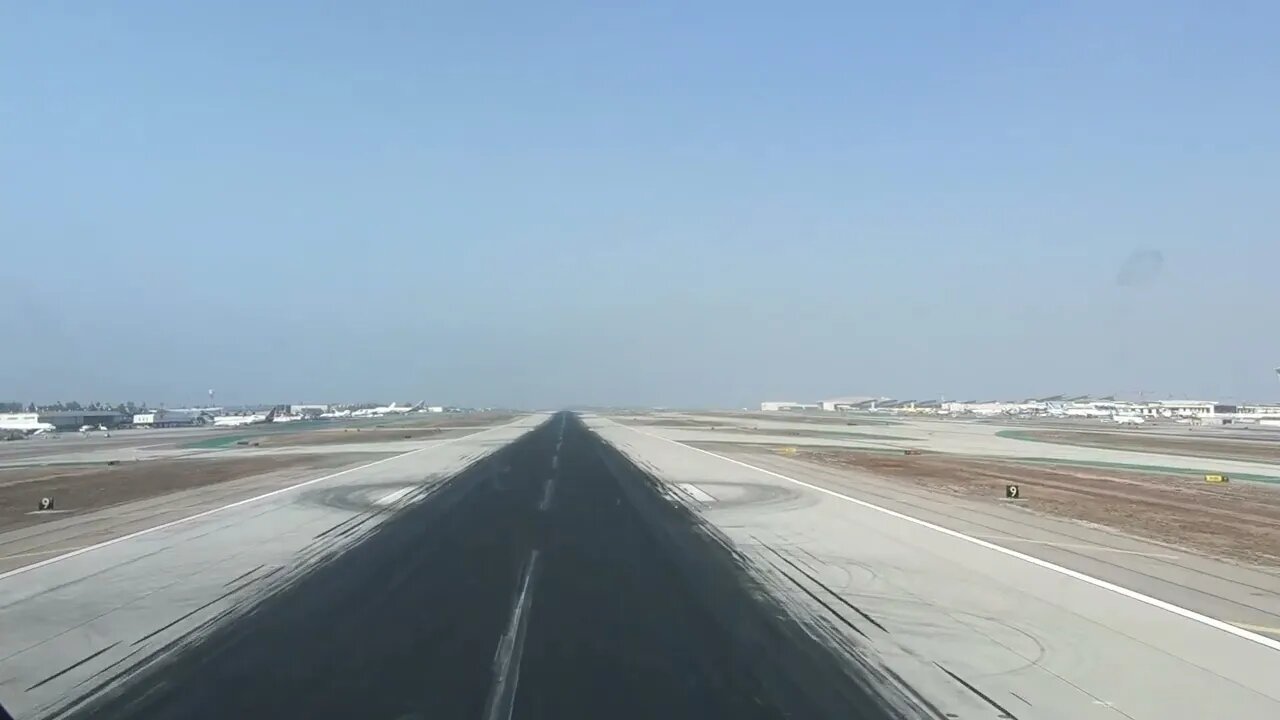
(214, 443)
(1024, 435)
(1168, 470)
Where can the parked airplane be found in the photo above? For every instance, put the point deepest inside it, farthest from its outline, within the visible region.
(1088, 411)
(242, 420)
(391, 409)
(25, 424)
(1128, 419)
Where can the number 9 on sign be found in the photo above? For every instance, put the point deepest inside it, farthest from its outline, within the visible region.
(46, 503)
(1011, 492)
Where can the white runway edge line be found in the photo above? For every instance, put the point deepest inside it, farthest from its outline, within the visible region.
(1132, 594)
(238, 503)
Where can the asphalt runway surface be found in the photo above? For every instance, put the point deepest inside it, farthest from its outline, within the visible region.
(550, 580)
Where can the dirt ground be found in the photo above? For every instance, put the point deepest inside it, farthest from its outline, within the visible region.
(1226, 449)
(1236, 520)
(80, 488)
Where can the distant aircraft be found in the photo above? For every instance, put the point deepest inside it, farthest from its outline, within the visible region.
(1089, 411)
(87, 428)
(1128, 419)
(242, 420)
(25, 424)
(391, 409)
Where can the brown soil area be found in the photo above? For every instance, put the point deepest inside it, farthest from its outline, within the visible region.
(1236, 520)
(80, 488)
(1221, 448)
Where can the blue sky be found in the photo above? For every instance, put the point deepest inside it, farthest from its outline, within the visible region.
(715, 203)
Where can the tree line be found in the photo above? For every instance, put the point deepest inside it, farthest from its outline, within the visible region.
(128, 408)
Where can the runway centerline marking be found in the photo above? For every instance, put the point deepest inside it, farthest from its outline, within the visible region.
(238, 503)
(547, 491)
(1096, 582)
(506, 660)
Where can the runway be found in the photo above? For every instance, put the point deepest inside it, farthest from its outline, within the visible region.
(548, 581)
(558, 568)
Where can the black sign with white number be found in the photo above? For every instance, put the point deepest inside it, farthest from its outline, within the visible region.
(1011, 492)
(46, 503)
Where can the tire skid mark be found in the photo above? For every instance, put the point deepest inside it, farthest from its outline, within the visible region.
(73, 666)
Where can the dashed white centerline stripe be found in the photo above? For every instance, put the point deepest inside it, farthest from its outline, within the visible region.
(506, 660)
(547, 491)
(1096, 582)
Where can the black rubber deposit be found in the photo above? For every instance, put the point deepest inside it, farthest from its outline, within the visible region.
(551, 581)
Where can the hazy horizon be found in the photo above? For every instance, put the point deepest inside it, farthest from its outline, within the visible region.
(680, 205)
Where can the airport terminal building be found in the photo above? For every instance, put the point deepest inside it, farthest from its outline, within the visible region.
(76, 419)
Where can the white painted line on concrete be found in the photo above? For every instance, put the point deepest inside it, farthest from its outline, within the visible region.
(547, 491)
(1096, 582)
(506, 659)
(1082, 546)
(238, 503)
(391, 497)
(696, 492)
